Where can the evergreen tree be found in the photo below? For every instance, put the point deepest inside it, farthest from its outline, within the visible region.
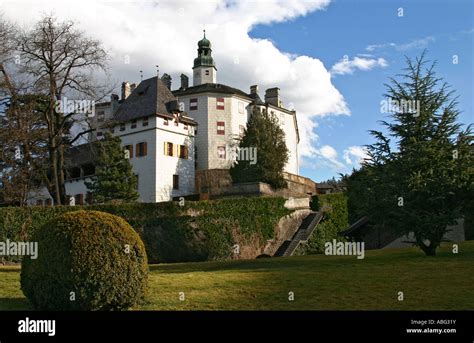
(422, 181)
(265, 135)
(114, 179)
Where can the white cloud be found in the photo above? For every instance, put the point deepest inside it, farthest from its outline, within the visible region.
(330, 156)
(361, 63)
(354, 155)
(165, 33)
(420, 43)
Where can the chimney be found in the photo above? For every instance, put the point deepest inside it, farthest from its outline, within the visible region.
(254, 89)
(272, 96)
(166, 80)
(132, 87)
(114, 102)
(184, 82)
(126, 90)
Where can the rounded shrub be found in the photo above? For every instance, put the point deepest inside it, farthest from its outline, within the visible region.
(87, 260)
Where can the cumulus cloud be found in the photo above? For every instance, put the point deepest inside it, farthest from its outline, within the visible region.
(329, 155)
(142, 34)
(347, 66)
(354, 155)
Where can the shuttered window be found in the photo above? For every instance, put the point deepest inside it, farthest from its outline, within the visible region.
(183, 151)
(221, 128)
(220, 103)
(141, 149)
(193, 104)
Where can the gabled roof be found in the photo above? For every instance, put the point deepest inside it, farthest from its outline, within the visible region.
(359, 224)
(80, 154)
(211, 88)
(148, 98)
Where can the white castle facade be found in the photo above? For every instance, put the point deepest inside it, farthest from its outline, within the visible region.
(173, 134)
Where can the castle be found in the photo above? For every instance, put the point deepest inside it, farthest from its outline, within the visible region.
(177, 140)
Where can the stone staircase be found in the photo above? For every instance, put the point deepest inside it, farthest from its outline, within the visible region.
(303, 233)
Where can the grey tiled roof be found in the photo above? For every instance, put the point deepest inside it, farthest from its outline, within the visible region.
(80, 154)
(210, 87)
(149, 98)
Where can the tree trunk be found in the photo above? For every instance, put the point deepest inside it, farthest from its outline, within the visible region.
(62, 187)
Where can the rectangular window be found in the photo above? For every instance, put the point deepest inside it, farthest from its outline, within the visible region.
(175, 181)
(100, 116)
(241, 130)
(134, 124)
(39, 202)
(168, 149)
(141, 149)
(48, 202)
(122, 127)
(282, 119)
(221, 152)
(183, 151)
(185, 126)
(176, 123)
(100, 134)
(145, 121)
(220, 103)
(207, 72)
(193, 104)
(165, 122)
(130, 150)
(241, 107)
(221, 128)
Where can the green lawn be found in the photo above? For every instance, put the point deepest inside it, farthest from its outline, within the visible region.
(444, 282)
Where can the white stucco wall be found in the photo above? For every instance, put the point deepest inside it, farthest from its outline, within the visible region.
(155, 170)
(207, 139)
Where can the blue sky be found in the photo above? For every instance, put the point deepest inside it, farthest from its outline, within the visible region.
(444, 28)
(295, 45)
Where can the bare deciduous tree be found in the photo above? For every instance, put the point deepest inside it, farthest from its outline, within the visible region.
(58, 60)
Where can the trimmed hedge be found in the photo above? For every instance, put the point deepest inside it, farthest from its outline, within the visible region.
(336, 219)
(197, 231)
(87, 260)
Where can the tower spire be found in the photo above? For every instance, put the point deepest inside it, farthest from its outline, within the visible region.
(204, 67)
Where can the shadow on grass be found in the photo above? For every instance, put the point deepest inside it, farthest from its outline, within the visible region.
(385, 256)
(14, 304)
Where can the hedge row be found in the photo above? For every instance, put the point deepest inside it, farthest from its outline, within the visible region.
(196, 231)
(336, 219)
